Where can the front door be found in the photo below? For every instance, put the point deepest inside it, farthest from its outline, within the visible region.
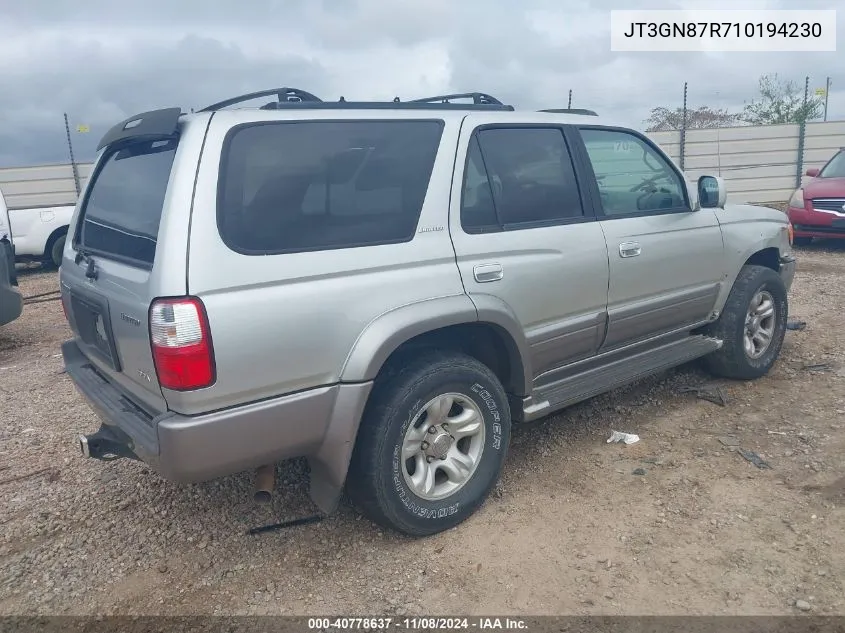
(525, 238)
(666, 268)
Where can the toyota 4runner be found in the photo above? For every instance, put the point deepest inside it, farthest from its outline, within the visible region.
(384, 288)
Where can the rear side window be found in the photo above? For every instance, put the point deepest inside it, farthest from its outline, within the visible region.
(317, 185)
(123, 206)
(518, 178)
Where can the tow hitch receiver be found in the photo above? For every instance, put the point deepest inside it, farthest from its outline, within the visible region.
(105, 445)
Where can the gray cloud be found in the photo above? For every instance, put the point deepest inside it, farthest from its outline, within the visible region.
(102, 61)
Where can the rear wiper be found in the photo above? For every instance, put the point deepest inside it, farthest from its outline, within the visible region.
(91, 266)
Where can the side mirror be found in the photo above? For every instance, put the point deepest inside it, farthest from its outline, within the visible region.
(812, 172)
(712, 193)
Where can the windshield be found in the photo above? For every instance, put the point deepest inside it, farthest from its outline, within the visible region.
(123, 207)
(835, 168)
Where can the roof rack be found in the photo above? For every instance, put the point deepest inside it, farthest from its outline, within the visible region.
(583, 111)
(294, 98)
(284, 95)
(478, 98)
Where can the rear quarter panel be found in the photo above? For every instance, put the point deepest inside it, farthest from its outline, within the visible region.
(748, 229)
(283, 323)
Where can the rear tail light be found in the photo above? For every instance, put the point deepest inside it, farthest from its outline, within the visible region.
(791, 231)
(181, 344)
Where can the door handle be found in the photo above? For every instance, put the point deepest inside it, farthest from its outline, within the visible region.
(629, 249)
(485, 273)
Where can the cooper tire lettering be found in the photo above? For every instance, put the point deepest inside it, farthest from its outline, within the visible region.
(377, 482)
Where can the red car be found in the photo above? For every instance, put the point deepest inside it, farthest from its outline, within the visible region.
(818, 208)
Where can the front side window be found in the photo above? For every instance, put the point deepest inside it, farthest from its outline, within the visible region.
(317, 185)
(632, 177)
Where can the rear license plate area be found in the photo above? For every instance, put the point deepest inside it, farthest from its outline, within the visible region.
(93, 325)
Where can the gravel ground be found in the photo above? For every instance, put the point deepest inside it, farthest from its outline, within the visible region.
(677, 523)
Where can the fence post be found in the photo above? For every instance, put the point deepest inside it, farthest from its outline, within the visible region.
(802, 130)
(683, 130)
(72, 161)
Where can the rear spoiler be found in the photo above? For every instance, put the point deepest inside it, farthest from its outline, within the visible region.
(155, 125)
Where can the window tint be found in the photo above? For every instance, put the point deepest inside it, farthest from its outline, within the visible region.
(529, 175)
(321, 185)
(632, 177)
(835, 168)
(478, 214)
(123, 208)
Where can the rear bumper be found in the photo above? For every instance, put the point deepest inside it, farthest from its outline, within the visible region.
(11, 301)
(11, 304)
(320, 424)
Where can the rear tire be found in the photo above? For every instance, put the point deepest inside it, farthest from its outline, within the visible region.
(752, 325)
(419, 482)
(53, 256)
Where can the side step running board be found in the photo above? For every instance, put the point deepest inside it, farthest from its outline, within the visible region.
(598, 380)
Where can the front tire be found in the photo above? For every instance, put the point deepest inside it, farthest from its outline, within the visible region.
(752, 325)
(431, 445)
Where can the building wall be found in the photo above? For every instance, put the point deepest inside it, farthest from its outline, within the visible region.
(759, 163)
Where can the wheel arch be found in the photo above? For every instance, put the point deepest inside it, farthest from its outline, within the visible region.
(763, 252)
(53, 238)
(489, 333)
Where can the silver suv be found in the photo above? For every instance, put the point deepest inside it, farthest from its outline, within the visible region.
(384, 288)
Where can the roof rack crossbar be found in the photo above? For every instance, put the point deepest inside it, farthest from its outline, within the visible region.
(284, 95)
(384, 105)
(583, 111)
(478, 98)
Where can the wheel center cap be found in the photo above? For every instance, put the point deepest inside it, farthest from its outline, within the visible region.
(439, 445)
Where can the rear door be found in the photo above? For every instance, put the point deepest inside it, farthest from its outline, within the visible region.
(666, 264)
(525, 235)
(115, 265)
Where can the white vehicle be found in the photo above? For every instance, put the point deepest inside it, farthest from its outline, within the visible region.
(40, 233)
(11, 303)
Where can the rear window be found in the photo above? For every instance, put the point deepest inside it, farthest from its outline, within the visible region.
(317, 185)
(123, 206)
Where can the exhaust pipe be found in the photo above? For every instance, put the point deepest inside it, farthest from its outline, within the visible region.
(265, 481)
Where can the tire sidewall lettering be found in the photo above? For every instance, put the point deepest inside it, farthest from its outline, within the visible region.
(485, 400)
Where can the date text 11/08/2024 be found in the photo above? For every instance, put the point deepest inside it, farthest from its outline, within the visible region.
(415, 624)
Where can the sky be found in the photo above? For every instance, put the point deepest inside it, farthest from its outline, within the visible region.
(101, 61)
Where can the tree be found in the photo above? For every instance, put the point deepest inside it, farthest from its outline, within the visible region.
(780, 102)
(663, 119)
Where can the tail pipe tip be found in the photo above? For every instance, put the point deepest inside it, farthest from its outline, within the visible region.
(265, 480)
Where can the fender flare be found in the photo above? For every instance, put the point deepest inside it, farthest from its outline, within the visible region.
(772, 241)
(391, 329)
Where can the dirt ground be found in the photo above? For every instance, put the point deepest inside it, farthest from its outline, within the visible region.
(679, 523)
